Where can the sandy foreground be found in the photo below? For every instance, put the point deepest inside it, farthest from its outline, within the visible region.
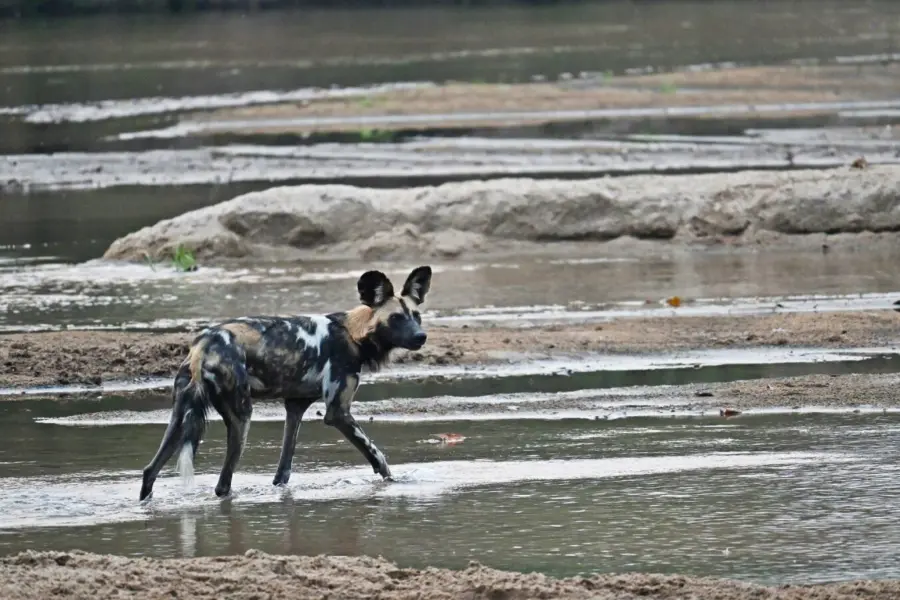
(53, 358)
(259, 576)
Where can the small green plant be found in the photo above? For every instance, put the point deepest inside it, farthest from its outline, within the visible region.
(668, 88)
(374, 135)
(149, 262)
(366, 101)
(183, 259)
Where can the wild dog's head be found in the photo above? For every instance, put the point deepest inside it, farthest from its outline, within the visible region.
(387, 320)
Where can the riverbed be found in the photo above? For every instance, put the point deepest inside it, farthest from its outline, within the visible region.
(599, 407)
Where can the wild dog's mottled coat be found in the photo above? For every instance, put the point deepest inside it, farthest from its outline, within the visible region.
(301, 359)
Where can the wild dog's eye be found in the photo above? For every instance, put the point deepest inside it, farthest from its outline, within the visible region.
(395, 319)
(417, 317)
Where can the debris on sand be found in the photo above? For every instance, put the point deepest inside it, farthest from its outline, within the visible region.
(39, 575)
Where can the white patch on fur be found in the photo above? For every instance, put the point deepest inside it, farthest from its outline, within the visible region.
(225, 336)
(244, 433)
(312, 375)
(329, 387)
(314, 340)
(185, 465)
(415, 292)
(380, 295)
(358, 432)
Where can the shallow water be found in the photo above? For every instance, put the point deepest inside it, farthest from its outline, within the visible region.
(780, 497)
(36, 294)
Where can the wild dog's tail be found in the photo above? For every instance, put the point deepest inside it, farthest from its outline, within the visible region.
(194, 402)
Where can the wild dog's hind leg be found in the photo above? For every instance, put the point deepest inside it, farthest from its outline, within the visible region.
(338, 415)
(295, 408)
(170, 442)
(237, 426)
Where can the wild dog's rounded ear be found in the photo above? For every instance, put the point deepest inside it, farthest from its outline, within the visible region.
(417, 284)
(374, 288)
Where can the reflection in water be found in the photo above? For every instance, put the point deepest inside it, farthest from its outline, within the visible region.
(188, 524)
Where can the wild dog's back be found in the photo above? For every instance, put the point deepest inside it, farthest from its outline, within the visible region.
(286, 356)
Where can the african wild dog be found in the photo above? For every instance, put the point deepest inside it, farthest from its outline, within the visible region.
(298, 359)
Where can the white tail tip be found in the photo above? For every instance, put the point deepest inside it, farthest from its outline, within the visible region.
(185, 465)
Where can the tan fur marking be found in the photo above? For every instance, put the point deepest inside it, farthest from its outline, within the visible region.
(195, 360)
(360, 322)
(347, 394)
(392, 305)
(244, 335)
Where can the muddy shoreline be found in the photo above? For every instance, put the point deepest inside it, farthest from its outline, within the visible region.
(91, 357)
(39, 575)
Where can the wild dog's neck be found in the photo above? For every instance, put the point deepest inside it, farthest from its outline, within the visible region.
(374, 347)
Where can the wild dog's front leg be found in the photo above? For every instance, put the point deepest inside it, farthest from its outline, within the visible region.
(337, 414)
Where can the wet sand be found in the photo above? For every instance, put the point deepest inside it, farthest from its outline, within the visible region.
(806, 392)
(258, 575)
(587, 91)
(51, 358)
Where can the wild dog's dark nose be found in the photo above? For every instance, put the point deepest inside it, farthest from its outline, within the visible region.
(420, 338)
